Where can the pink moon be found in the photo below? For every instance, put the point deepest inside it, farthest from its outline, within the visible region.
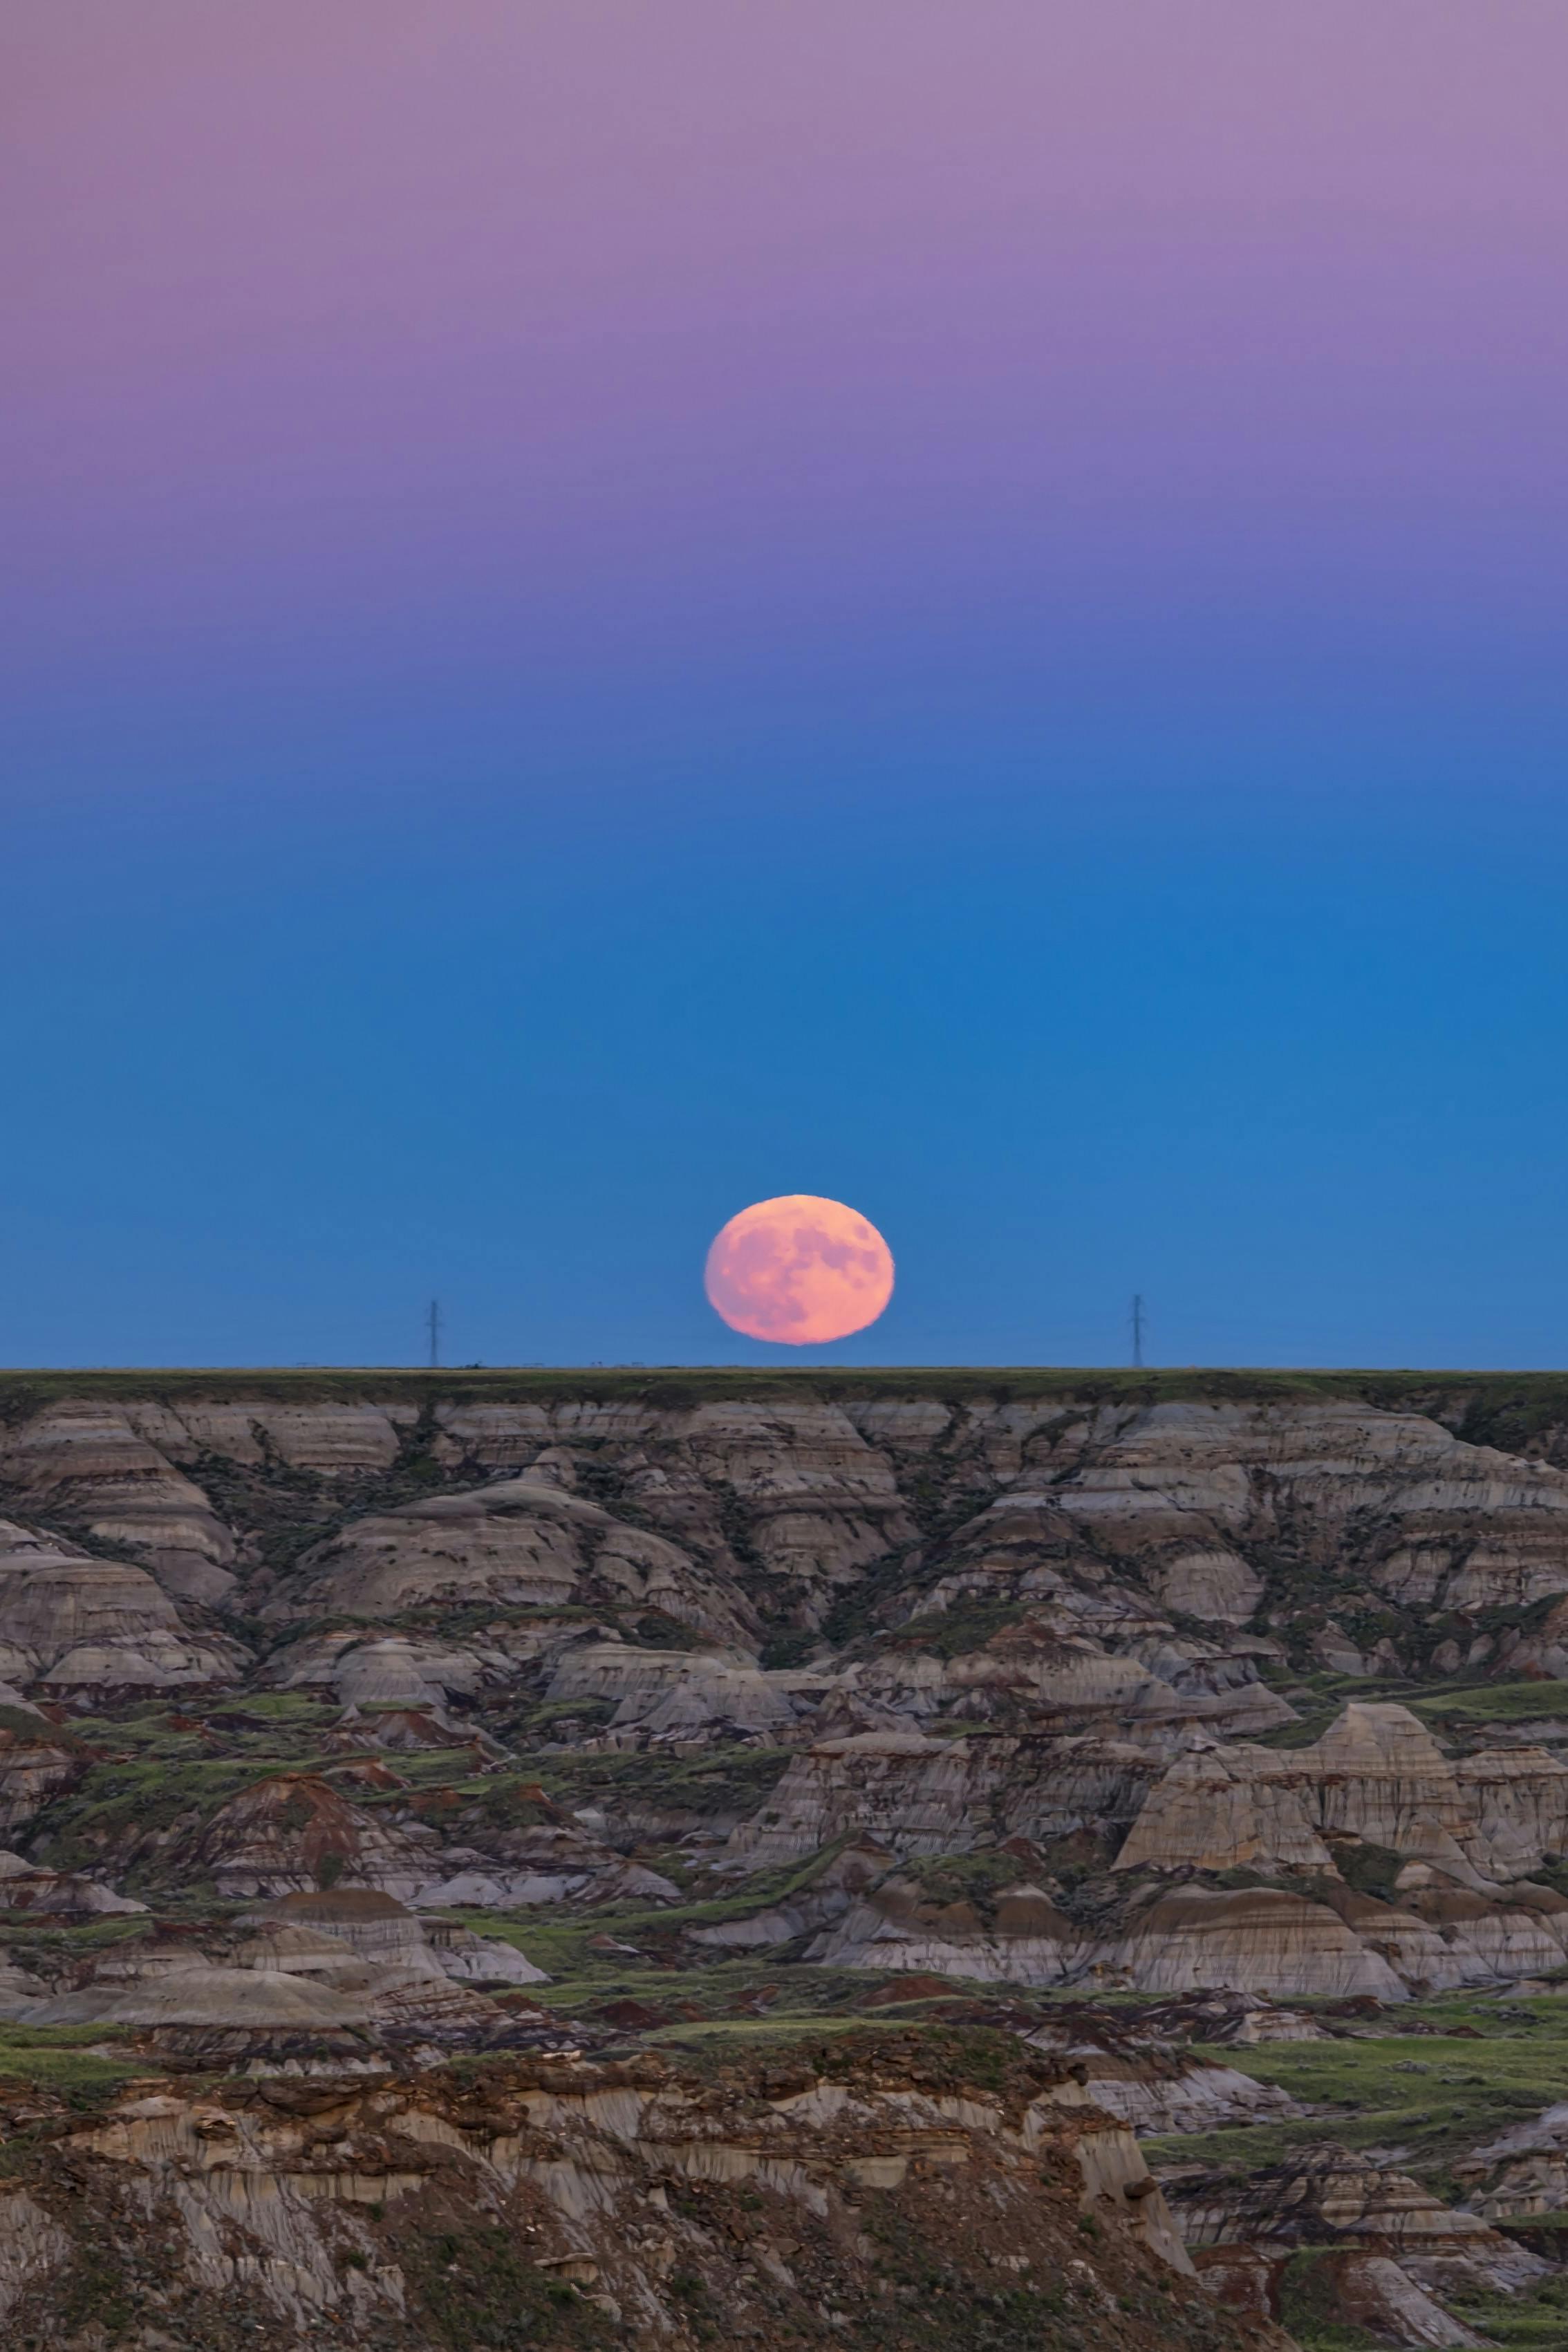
(799, 1269)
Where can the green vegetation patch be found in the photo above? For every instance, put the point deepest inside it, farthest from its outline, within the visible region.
(723, 1781)
(1435, 2096)
(936, 2054)
(283, 1709)
(117, 1806)
(1490, 1408)
(477, 2292)
(1309, 2308)
(745, 1993)
(96, 2292)
(75, 2061)
(30, 1728)
(976, 1878)
(1368, 1869)
(422, 1768)
(28, 1938)
(1322, 1697)
(568, 1945)
(531, 1725)
(954, 1633)
(1534, 2320)
(1493, 1702)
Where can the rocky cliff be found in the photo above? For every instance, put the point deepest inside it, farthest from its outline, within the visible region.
(891, 2190)
(626, 1711)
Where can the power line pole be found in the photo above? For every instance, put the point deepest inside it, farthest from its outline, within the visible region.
(433, 1322)
(1137, 1320)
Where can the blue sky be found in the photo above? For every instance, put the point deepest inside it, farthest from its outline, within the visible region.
(1281, 1052)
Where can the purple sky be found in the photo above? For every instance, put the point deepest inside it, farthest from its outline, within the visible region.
(549, 356)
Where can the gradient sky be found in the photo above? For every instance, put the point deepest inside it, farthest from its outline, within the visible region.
(611, 610)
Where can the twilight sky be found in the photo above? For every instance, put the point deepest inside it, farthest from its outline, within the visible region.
(609, 611)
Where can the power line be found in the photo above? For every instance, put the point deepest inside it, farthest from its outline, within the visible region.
(432, 1324)
(1137, 1319)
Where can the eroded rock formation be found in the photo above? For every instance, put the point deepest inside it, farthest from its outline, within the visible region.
(809, 2200)
(342, 1730)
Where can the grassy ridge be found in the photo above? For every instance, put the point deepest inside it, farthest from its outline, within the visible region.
(74, 2060)
(1511, 1405)
(1426, 2100)
(1488, 2064)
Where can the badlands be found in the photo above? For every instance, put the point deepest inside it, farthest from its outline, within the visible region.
(891, 1859)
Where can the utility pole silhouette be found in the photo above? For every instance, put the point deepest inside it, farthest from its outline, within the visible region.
(1137, 1320)
(433, 1321)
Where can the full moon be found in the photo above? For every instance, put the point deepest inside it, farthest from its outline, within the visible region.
(799, 1269)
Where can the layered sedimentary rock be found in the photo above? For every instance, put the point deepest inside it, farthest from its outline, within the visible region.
(804, 2201)
(1187, 1490)
(826, 1895)
(37, 1761)
(370, 1923)
(995, 1690)
(252, 2011)
(1522, 2171)
(1368, 2293)
(920, 1795)
(340, 1973)
(547, 1864)
(1335, 2197)
(72, 1624)
(817, 1502)
(332, 1438)
(86, 1464)
(312, 1932)
(294, 1833)
(56, 1894)
(1043, 1669)
(512, 1545)
(1262, 1939)
(1192, 1499)
(820, 1504)
(1022, 1939)
(257, 2002)
(365, 1668)
(1033, 1673)
(1375, 1777)
(663, 1694)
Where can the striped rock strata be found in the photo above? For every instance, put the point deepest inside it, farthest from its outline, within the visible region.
(343, 2205)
